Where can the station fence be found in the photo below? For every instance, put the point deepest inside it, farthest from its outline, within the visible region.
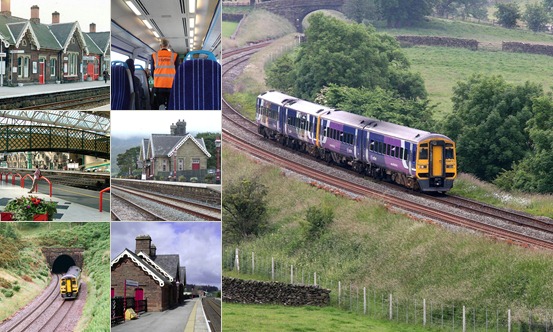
(386, 306)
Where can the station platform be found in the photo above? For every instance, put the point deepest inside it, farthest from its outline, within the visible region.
(102, 108)
(74, 204)
(38, 89)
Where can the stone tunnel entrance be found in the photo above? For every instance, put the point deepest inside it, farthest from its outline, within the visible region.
(61, 259)
(62, 264)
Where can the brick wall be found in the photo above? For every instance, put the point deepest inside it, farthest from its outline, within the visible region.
(251, 291)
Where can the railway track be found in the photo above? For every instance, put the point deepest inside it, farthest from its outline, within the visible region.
(523, 230)
(185, 207)
(212, 309)
(132, 211)
(73, 104)
(47, 312)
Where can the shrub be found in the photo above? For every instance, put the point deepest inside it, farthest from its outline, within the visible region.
(182, 178)
(318, 220)
(7, 292)
(194, 179)
(16, 288)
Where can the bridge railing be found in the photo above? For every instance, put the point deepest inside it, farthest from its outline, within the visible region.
(102, 196)
(41, 178)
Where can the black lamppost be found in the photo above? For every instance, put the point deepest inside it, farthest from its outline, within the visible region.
(218, 169)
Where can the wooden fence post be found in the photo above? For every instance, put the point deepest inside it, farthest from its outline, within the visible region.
(364, 300)
(391, 309)
(237, 260)
(253, 262)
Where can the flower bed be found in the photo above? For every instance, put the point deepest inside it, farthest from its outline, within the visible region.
(29, 208)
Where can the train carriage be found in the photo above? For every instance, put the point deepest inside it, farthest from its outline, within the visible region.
(70, 283)
(411, 157)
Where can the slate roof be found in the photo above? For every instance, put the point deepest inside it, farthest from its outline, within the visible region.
(101, 39)
(144, 148)
(143, 264)
(163, 144)
(92, 47)
(170, 263)
(45, 37)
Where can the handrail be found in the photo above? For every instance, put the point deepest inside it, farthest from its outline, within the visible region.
(13, 177)
(101, 196)
(41, 178)
(6, 180)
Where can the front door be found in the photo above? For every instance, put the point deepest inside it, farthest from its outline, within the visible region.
(41, 72)
(437, 160)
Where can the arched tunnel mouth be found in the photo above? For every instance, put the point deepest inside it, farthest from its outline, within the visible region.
(62, 263)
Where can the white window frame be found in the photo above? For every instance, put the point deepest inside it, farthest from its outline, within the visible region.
(23, 66)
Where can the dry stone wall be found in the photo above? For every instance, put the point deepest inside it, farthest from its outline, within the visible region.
(260, 292)
(471, 44)
(527, 48)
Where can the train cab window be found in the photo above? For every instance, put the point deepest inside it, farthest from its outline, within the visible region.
(449, 151)
(423, 154)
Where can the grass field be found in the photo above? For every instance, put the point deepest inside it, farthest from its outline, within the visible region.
(242, 317)
(229, 28)
(371, 247)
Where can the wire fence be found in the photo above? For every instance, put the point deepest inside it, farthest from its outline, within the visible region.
(385, 305)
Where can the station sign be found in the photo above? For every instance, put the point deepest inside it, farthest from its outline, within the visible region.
(17, 51)
(89, 57)
(131, 283)
(2, 54)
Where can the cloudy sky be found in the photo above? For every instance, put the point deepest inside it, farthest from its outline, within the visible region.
(83, 11)
(197, 243)
(125, 124)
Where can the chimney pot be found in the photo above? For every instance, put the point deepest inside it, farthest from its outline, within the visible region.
(92, 27)
(5, 8)
(55, 17)
(35, 15)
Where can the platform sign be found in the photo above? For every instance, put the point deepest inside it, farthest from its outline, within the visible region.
(2, 54)
(131, 283)
(17, 51)
(2, 67)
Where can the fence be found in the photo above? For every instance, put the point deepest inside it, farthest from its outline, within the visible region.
(385, 305)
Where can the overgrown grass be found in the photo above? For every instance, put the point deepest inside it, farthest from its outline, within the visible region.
(368, 246)
(229, 28)
(468, 186)
(242, 317)
(259, 25)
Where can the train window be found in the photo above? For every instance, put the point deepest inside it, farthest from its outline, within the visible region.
(449, 153)
(388, 146)
(424, 145)
(380, 147)
(406, 154)
(371, 145)
(401, 151)
(423, 154)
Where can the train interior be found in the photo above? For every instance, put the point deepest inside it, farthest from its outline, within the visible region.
(193, 31)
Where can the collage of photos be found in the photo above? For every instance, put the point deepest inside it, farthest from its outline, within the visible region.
(276, 165)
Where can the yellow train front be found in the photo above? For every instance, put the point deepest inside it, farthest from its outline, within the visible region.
(70, 283)
(436, 163)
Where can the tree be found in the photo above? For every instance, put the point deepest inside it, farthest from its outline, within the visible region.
(488, 124)
(536, 17)
(209, 140)
(244, 209)
(317, 221)
(379, 103)
(402, 13)
(345, 54)
(507, 14)
(360, 10)
(281, 74)
(128, 161)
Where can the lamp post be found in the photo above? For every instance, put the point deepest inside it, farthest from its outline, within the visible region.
(218, 170)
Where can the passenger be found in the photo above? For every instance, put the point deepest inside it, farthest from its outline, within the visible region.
(139, 98)
(36, 177)
(164, 64)
(105, 73)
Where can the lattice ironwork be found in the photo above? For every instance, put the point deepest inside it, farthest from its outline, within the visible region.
(85, 120)
(43, 138)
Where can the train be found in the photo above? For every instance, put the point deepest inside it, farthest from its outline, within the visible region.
(413, 158)
(70, 283)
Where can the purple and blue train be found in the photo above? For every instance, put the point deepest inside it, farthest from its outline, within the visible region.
(413, 158)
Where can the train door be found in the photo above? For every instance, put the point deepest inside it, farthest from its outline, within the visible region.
(41, 72)
(437, 155)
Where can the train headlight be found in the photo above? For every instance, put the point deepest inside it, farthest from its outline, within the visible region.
(423, 166)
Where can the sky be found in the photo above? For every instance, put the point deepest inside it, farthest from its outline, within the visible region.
(126, 124)
(83, 11)
(197, 243)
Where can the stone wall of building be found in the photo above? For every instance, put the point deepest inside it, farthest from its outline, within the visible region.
(260, 292)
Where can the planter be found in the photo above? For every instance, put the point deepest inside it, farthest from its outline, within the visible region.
(8, 216)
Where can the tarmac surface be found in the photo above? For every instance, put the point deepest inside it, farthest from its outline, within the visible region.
(189, 317)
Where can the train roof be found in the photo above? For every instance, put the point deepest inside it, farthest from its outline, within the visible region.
(72, 272)
(293, 102)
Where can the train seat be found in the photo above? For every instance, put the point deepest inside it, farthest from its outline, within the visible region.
(197, 84)
(141, 74)
(122, 90)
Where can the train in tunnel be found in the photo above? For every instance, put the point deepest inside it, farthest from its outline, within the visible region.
(70, 283)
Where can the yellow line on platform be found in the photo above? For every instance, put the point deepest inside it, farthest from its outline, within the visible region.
(192, 319)
(74, 192)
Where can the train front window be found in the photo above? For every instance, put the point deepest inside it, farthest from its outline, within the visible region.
(449, 151)
(423, 154)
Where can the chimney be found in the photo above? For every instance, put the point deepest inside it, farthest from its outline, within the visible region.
(153, 251)
(5, 9)
(181, 128)
(35, 18)
(55, 17)
(143, 243)
(92, 27)
(173, 129)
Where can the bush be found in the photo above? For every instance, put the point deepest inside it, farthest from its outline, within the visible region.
(318, 220)
(194, 179)
(182, 178)
(7, 292)
(16, 288)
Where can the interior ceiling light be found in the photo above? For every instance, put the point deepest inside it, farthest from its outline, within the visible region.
(191, 33)
(156, 34)
(148, 25)
(192, 19)
(133, 8)
(192, 6)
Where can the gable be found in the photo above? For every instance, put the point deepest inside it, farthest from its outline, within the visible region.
(186, 139)
(143, 265)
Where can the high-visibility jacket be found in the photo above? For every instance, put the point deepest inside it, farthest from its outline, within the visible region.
(164, 72)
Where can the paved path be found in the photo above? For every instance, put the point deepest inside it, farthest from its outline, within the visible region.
(29, 90)
(187, 317)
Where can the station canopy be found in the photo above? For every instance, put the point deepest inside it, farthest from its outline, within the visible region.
(94, 121)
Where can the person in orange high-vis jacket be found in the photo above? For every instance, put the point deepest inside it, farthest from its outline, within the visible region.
(164, 66)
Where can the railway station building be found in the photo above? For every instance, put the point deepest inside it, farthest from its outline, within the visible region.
(34, 52)
(161, 279)
(177, 155)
